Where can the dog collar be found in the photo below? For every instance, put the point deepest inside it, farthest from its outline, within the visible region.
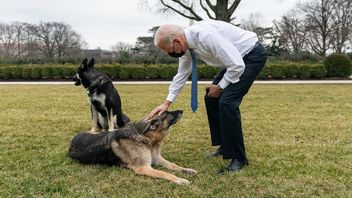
(100, 81)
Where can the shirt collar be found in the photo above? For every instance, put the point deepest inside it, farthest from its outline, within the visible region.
(190, 41)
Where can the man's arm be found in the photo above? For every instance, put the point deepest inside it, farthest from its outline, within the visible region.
(230, 57)
(179, 80)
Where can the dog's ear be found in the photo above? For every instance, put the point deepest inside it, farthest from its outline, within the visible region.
(84, 63)
(91, 63)
(150, 125)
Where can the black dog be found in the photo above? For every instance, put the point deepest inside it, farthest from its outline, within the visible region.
(103, 97)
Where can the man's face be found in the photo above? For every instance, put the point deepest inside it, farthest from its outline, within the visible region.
(175, 50)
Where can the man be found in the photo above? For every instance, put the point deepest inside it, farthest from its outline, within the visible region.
(241, 58)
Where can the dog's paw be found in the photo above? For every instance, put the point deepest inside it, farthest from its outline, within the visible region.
(92, 132)
(189, 171)
(181, 181)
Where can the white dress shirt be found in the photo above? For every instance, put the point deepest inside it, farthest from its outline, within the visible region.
(218, 44)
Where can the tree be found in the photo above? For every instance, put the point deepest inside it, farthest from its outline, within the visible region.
(342, 19)
(122, 52)
(66, 40)
(292, 31)
(319, 24)
(254, 23)
(219, 10)
(10, 38)
(56, 40)
(44, 35)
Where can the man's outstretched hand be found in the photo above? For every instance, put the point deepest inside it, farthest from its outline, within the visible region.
(160, 109)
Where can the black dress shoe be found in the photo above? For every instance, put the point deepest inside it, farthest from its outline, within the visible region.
(217, 153)
(235, 165)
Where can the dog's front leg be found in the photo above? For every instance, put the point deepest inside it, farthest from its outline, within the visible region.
(110, 116)
(172, 166)
(94, 112)
(149, 171)
(159, 160)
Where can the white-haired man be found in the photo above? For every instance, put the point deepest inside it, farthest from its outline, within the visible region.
(239, 55)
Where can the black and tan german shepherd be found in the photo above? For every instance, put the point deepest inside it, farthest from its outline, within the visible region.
(105, 101)
(135, 146)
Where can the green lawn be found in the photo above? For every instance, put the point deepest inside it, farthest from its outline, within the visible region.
(298, 140)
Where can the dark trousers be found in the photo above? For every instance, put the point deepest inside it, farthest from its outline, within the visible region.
(224, 114)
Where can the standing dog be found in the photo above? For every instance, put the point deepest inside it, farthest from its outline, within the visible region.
(135, 146)
(105, 102)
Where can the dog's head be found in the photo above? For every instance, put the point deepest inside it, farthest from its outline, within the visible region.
(85, 74)
(158, 127)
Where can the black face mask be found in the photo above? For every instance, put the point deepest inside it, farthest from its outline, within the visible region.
(176, 55)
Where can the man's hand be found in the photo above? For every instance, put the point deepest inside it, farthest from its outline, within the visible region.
(214, 91)
(160, 109)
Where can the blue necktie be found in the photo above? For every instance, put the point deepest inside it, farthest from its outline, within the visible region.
(194, 91)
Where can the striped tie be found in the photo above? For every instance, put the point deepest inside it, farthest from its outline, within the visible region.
(194, 91)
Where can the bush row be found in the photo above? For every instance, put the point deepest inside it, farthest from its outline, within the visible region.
(293, 71)
(284, 70)
(123, 72)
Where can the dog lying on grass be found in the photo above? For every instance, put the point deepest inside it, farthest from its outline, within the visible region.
(135, 146)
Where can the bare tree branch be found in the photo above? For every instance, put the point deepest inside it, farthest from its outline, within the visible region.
(205, 9)
(194, 17)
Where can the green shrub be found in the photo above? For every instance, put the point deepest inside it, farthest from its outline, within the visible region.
(5, 73)
(138, 72)
(207, 72)
(115, 70)
(36, 73)
(152, 71)
(125, 72)
(265, 73)
(16, 72)
(277, 71)
(291, 70)
(304, 71)
(318, 71)
(167, 72)
(338, 65)
(26, 73)
(46, 72)
(57, 72)
(110, 70)
(68, 72)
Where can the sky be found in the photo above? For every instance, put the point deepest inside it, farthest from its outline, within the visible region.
(103, 23)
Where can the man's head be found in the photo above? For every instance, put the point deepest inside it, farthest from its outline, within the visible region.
(171, 39)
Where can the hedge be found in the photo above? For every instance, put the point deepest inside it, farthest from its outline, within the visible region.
(318, 71)
(291, 70)
(338, 65)
(152, 72)
(283, 70)
(304, 71)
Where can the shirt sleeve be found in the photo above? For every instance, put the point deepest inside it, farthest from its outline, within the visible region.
(228, 55)
(179, 80)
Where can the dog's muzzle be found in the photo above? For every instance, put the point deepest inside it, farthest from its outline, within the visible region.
(76, 78)
(176, 116)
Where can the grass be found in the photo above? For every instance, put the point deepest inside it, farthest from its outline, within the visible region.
(298, 140)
